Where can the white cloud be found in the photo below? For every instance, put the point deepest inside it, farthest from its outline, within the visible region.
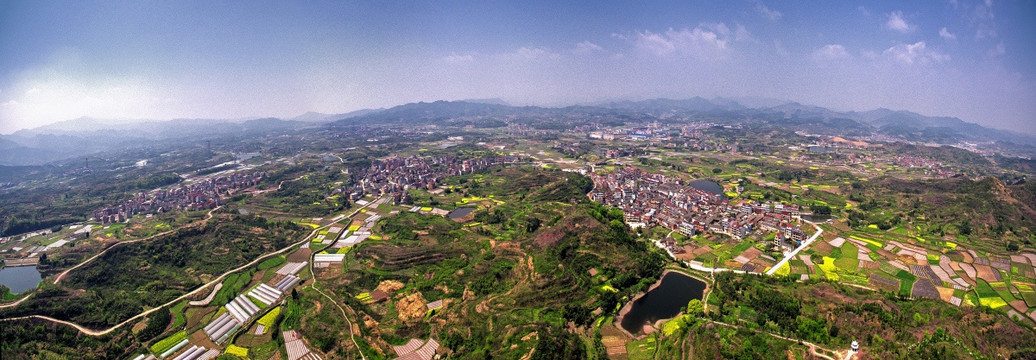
(532, 53)
(707, 41)
(454, 58)
(657, 44)
(742, 34)
(34, 90)
(916, 53)
(586, 47)
(863, 11)
(898, 23)
(946, 34)
(831, 52)
(980, 16)
(773, 15)
(984, 32)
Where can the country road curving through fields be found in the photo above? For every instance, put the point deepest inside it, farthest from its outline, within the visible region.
(101, 332)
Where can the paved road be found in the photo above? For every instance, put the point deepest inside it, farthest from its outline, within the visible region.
(796, 251)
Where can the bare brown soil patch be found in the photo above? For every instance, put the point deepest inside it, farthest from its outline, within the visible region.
(549, 236)
(139, 326)
(300, 255)
(1019, 305)
(389, 286)
(199, 338)
(411, 307)
(822, 247)
(614, 341)
(986, 273)
(945, 293)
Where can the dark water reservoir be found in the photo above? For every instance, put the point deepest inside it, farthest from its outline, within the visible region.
(20, 278)
(707, 186)
(663, 302)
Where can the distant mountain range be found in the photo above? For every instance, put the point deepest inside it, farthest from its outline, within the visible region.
(903, 125)
(83, 136)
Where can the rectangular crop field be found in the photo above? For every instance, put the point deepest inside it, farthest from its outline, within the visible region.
(868, 240)
(268, 319)
(848, 259)
(984, 290)
(906, 282)
(165, 344)
(1027, 294)
(828, 267)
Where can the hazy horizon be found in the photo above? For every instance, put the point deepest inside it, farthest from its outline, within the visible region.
(158, 61)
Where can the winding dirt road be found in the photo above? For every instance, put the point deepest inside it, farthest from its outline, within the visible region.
(219, 279)
(352, 336)
(57, 279)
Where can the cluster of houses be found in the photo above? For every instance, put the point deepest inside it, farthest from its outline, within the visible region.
(201, 195)
(655, 199)
(395, 176)
(688, 137)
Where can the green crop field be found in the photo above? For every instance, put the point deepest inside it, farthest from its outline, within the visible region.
(848, 260)
(985, 290)
(906, 283)
(165, 344)
(1027, 294)
(178, 315)
(271, 262)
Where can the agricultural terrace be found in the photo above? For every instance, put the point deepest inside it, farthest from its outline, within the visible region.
(523, 232)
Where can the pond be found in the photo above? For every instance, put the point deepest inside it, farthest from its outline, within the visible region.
(707, 186)
(662, 302)
(20, 278)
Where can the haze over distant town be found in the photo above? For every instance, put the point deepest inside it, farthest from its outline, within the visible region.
(189, 59)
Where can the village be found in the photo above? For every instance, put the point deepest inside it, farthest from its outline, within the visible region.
(659, 200)
(203, 194)
(395, 176)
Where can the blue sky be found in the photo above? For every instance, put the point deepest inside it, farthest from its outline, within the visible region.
(172, 59)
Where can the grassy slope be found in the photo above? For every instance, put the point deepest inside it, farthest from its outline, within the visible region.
(834, 315)
(131, 277)
(532, 282)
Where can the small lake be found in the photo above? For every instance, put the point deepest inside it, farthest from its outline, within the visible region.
(20, 278)
(707, 186)
(663, 302)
